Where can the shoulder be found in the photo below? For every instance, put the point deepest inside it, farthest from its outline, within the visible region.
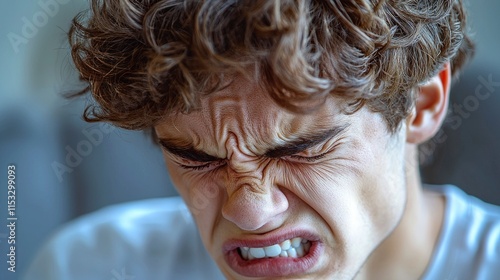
(469, 242)
(148, 239)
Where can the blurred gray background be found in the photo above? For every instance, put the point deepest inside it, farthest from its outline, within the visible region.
(66, 167)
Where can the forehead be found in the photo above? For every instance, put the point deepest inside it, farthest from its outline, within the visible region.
(244, 112)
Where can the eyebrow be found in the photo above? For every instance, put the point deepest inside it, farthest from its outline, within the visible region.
(305, 142)
(187, 152)
(290, 148)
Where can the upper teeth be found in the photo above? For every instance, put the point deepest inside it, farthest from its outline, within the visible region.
(295, 247)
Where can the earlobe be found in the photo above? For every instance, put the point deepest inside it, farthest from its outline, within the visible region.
(430, 107)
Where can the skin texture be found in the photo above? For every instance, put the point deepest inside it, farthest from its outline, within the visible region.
(355, 190)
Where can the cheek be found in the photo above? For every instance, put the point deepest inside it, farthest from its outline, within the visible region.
(361, 189)
(384, 198)
(201, 195)
(381, 197)
(382, 187)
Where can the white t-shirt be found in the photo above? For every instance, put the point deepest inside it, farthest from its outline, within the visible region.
(469, 242)
(157, 239)
(145, 240)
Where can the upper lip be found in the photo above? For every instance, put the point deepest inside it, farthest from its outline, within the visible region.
(268, 239)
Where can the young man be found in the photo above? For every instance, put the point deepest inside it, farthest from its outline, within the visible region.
(290, 129)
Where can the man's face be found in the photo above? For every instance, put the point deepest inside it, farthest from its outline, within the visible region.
(277, 194)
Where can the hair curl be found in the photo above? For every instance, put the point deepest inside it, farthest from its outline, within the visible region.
(143, 59)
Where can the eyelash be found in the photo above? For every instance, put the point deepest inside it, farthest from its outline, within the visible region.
(210, 164)
(220, 163)
(309, 159)
(203, 166)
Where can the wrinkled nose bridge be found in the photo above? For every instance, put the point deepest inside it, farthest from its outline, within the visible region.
(239, 160)
(248, 173)
(246, 178)
(242, 165)
(250, 187)
(252, 200)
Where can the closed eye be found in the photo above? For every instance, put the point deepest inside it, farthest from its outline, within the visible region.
(187, 157)
(203, 166)
(316, 154)
(308, 158)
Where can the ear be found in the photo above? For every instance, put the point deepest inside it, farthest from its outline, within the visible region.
(430, 108)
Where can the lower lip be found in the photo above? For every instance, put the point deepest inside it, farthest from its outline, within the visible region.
(274, 267)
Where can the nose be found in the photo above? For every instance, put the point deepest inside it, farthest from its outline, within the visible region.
(253, 200)
(251, 207)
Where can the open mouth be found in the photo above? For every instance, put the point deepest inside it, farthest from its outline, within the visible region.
(276, 255)
(291, 248)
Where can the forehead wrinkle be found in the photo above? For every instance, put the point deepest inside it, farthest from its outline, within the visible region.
(237, 111)
(215, 116)
(256, 128)
(194, 138)
(178, 133)
(242, 110)
(226, 117)
(299, 128)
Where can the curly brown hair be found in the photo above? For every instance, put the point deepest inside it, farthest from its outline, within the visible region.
(143, 59)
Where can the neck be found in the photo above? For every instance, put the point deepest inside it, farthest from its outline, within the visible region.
(406, 252)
